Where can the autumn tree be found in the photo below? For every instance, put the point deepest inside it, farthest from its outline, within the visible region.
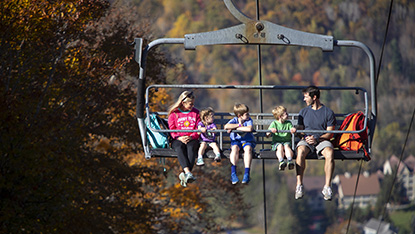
(65, 94)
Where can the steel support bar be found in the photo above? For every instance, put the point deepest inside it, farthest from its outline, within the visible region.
(373, 90)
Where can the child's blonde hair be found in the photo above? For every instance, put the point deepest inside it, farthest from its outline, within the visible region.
(204, 113)
(185, 96)
(278, 111)
(240, 109)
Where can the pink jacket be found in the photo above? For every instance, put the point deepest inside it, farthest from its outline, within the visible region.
(184, 121)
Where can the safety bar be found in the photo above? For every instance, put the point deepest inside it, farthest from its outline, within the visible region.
(198, 86)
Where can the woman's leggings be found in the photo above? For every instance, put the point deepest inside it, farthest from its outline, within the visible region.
(187, 153)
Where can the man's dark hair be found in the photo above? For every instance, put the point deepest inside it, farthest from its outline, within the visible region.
(312, 91)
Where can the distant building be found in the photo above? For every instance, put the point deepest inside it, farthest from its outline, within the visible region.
(373, 225)
(366, 193)
(405, 173)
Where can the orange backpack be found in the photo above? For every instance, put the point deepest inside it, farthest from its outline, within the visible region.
(352, 141)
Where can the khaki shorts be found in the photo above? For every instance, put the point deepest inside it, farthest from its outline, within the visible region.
(316, 148)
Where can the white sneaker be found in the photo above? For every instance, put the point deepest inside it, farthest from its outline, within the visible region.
(327, 193)
(217, 158)
(182, 178)
(299, 191)
(200, 162)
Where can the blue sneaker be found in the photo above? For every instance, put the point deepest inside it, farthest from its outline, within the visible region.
(234, 178)
(246, 179)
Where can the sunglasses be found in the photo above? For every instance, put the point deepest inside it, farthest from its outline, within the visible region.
(189, 95)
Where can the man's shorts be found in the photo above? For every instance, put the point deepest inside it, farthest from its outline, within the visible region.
(242, 144)
(274, 146)
(316, 148)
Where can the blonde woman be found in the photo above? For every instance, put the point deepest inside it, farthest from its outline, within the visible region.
(183, 116)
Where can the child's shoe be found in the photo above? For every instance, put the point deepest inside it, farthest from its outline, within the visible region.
(200, 162)
(282, 165)
(217, 158)
(246, 179)
(234, 178)
(290, 165)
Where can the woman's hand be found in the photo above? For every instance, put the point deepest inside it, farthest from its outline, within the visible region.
(184, 139)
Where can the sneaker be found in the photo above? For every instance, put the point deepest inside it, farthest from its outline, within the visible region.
(290, 165)
(299, 192)
(234, 178)
(246, 179)
(327, 193)
(282, 166)
(189, 178)
(217, 158)
(182, 178)
(200, 162)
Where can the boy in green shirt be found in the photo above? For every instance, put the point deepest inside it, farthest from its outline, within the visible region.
(281, 141)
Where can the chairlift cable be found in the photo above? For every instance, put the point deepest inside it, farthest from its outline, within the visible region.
(384, 42)
(261, 111)
(396, 171)
(377, 79)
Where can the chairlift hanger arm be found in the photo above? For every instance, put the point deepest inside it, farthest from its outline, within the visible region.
(257, 32)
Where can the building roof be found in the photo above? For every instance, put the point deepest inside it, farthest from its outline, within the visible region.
(367, 185)
(383, 227)
(394, 161)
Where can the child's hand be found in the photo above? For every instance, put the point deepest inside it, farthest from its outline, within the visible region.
(293, 130)
(202, 129)
(273, 130)
(268, 134)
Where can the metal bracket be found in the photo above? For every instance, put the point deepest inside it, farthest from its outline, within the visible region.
(257, 32)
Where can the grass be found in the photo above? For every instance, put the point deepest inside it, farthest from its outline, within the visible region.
(402, 220)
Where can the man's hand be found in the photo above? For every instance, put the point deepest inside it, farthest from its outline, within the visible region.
(311, 140)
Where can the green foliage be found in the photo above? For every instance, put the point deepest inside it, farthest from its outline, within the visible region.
(404, 220)
(391, 191)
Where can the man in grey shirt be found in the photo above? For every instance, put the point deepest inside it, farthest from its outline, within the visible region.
(315, 116)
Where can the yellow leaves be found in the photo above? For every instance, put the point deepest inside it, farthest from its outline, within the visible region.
(160, 99)
(181, 26)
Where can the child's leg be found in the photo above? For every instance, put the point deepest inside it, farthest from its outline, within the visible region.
(233, 158)
(280, 152)
(288, 152)
(247, 162)
(216, 150)
(202, 149)
(234, 155)
(247, 156)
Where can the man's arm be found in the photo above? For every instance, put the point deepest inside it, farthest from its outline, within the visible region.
(327, 136)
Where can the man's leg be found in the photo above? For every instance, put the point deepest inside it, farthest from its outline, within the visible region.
(329, 164)
(302, 152)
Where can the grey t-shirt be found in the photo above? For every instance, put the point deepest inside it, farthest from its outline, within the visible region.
(316, 119)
